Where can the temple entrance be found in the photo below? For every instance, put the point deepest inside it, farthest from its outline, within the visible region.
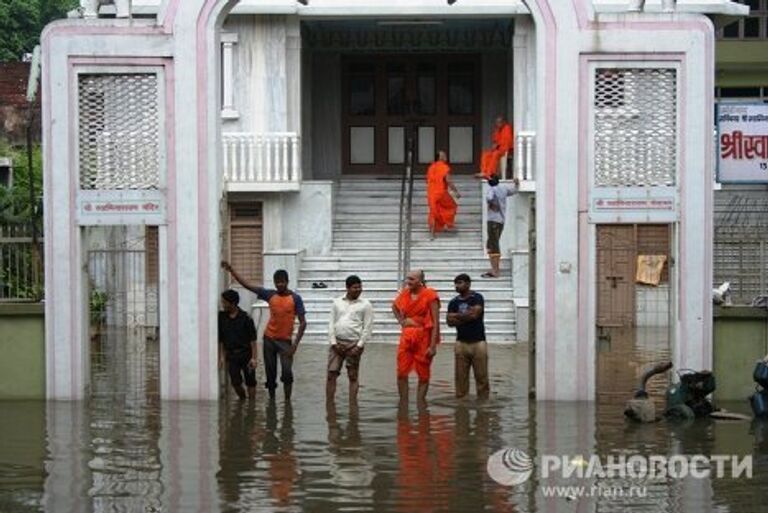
(634, 307)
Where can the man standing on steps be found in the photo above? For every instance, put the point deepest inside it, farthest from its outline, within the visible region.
(417, 310)
(442, 206)
(349, 327)
(496, 199)
(284, 307)
(465, 313)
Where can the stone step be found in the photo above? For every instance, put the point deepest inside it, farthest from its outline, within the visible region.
(491, 294)
(365, 267)
(391, 336)
(438, 278)
(366, 226)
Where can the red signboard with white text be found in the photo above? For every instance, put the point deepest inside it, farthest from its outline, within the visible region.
(742, 132)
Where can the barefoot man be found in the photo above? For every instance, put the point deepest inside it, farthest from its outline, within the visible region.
(503, 141)
(417, 310)
(442, 206)
(350, 326)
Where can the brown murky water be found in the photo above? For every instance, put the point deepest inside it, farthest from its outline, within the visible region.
(130, 452)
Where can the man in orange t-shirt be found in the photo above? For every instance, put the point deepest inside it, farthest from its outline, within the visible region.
(442, 206)
(417, 310)
(284, 307)
(503, 142)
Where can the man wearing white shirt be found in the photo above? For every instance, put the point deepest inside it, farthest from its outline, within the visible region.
(350, 326)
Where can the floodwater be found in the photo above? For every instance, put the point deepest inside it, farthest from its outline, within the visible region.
(126, 451)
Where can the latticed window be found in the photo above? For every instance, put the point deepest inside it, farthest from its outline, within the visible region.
(119, 131)
(635, 126)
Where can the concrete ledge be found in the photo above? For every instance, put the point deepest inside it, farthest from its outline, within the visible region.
(11, 309)
(743, 312)
(22, 344)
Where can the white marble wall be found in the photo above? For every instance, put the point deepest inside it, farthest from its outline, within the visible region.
(267, 73)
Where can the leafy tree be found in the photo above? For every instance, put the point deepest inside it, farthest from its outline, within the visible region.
(21, 22)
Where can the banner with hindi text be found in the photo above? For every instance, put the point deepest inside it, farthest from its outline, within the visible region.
(742, 130)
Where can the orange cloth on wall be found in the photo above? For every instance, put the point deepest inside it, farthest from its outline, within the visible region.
(503, 142)
(415, 340)
(442, 206)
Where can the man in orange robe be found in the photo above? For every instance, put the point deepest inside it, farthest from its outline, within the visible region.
(503, 142)
(442, 206)
(417, 310)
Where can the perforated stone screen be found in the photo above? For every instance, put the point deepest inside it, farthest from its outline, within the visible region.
(635, 126)
(119, 131)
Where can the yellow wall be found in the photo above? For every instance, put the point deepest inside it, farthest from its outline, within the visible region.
(741, 63)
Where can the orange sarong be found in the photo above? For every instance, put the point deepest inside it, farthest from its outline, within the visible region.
(503, 142)
(415, 340)
(442, 206)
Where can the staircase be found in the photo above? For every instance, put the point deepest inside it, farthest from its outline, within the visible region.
(365, 237)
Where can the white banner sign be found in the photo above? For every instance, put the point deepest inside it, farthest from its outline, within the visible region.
(742, 143)
(633, 205)
(121, 207)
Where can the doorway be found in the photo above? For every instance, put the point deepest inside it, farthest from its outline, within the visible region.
(432, 98)
(634, 307)
(123, 310)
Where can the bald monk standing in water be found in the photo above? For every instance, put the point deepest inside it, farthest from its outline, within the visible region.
(417, 310)
(442, 206)
(503, 141)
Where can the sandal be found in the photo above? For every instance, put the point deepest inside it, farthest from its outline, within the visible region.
(488, 275)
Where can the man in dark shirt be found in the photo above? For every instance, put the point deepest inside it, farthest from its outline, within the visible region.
(465, 313)
(237, 344)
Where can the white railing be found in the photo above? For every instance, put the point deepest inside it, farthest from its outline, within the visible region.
(270, 159)
(524, 152)
(522, 159)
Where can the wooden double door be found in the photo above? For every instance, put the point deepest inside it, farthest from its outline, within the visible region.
(431, 99)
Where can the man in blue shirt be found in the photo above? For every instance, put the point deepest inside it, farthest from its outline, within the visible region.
(465, 313)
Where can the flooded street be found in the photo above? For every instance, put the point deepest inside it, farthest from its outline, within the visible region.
(126, 451)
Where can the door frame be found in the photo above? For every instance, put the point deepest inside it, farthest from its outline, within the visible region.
(588, 236)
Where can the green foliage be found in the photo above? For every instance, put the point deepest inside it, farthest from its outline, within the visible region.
(98, 306)
(15, 207)
(13, 285)
(22, 21)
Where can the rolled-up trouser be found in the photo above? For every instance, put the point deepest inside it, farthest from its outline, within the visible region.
(273, 349)
(472, 355)
(239, 367)
(494, 234)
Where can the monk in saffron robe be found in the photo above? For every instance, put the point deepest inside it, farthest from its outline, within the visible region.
(417, 310)
(503, 142)
(442, 206)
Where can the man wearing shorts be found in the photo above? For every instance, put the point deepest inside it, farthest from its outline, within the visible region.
(417, 310)
(350, 326)
(496, 200)
(237, 344)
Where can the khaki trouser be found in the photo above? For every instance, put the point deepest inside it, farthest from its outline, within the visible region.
(475, 356)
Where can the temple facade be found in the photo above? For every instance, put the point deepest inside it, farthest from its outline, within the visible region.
(277, 134)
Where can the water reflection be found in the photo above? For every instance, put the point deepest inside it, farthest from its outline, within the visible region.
(126, 451)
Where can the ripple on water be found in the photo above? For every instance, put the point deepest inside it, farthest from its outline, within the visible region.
(124, 450)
